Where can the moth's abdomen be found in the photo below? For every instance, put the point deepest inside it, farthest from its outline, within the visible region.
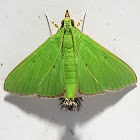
(69, 66)
(70, 77)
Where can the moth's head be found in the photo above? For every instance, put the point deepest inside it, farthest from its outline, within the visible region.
(67, 22)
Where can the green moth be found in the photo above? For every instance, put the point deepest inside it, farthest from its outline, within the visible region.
(66, 62)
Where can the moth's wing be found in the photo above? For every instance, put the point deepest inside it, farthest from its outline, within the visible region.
(98, 69)
(41, 72)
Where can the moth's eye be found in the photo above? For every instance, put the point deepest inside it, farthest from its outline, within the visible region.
(62, 23)
(72, 22)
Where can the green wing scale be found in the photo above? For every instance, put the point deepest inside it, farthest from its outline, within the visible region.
(41, 72)
(98, 69)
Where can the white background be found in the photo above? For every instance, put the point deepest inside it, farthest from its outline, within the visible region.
(114, 116)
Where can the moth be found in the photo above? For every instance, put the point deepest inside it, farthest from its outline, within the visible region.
(67, 62)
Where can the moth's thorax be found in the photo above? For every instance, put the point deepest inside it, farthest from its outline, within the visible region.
(68, 39)
(67, 23)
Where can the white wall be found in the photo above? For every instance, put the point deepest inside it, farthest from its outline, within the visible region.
(113, 116)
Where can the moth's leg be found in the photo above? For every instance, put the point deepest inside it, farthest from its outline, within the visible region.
(82, 20)
(49, 24)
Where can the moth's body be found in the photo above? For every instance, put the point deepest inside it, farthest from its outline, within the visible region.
(67, 61)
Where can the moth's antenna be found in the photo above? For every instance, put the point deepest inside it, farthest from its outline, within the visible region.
(51, 22)
(83, 19)
(48, 24)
